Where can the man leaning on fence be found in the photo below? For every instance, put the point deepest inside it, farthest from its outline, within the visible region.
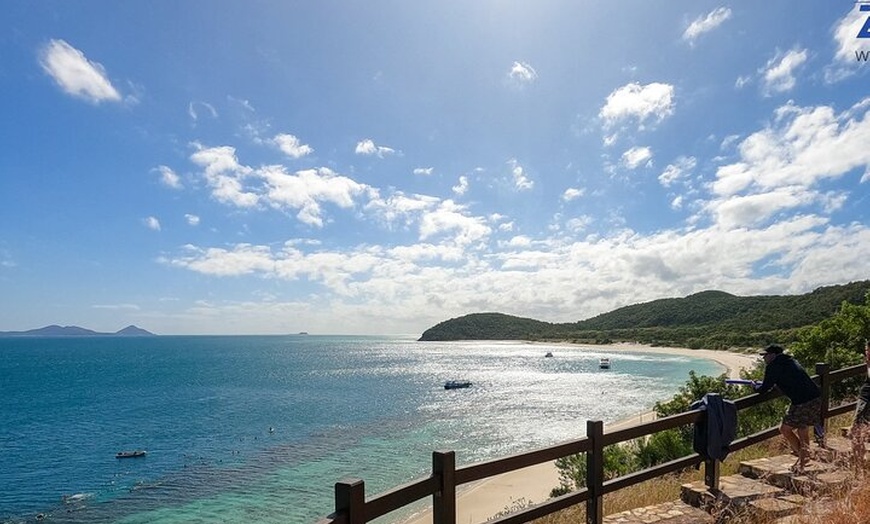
(805, 410)
(861, 426)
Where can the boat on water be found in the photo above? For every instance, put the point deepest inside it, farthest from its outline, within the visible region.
(130, 454)
(604, 363)
(457, 384)
(549, 354)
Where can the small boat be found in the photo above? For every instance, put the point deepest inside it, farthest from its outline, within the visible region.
(130, 454)
(457, 384)
(548, 355)
(604, 363)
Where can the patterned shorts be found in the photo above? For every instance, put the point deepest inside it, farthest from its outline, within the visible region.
(804, 415)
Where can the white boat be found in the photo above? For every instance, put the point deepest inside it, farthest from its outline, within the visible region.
(604, 363)
(457, 384)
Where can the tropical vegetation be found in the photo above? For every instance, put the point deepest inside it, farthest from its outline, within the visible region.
(838, 340)
(710, 319)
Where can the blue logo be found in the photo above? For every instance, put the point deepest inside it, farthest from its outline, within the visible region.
(865, 31)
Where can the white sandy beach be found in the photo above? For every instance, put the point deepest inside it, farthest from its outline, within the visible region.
(482, 500)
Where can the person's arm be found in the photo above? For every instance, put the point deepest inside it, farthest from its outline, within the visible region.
(769, 380)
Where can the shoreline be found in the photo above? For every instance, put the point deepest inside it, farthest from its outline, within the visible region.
(481, 500)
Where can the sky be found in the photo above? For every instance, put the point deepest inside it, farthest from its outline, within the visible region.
(271, 167)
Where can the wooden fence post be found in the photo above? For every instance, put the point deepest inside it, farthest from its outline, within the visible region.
(350, 499)
(711, 474)
(711, 465)
(444, 500)
(823, 370)
(595, 472)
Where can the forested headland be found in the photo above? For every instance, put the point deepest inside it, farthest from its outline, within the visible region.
(709, 319)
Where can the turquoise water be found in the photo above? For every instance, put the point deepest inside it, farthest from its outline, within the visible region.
(367, 407)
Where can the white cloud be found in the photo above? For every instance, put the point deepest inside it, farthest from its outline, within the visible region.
(152, 223)
(168, 177)
(424, 171)
(530, 275)
(578, 224)
(652, 102)
(803, 146)
(462, 187)
(367, 147)
(291, 146)
(77, 75)
(778, 74)
(522, 73)
(742, 81)
(572, 194)
(636, 157)
(705, 24)
(753, 209)
(401, 206)
(520, 180)
(192, 220)
(193, 112)
(782, 166)
(306, 190)
(224, 175)
(450, 218)
(681, 168)
(728, 141)
(117, 307)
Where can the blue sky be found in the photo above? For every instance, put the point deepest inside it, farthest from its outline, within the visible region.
(378, 167)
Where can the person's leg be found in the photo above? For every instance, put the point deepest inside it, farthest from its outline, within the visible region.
(804, 437)
(791, 438)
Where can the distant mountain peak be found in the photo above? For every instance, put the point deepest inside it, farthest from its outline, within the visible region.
(75, 331)
(134, 331)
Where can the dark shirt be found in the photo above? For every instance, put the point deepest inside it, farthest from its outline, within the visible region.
(785, 373)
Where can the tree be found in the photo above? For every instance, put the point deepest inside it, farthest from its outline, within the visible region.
(838, 341)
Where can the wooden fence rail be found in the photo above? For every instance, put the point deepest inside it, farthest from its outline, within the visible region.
(351, 506)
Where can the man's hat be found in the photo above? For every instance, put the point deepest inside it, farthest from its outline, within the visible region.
(773, 349)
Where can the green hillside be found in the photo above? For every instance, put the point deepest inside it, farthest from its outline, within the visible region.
(712, 319)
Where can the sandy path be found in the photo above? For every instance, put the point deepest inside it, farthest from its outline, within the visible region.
(482, 500)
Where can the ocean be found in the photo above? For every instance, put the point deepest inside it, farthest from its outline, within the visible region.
(259, 428)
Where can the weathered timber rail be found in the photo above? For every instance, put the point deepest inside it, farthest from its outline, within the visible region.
(351, 506)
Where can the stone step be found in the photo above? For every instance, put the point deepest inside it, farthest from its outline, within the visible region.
(817, 478)
(674, 512)
(766, 510)
(735, 491)
(812, 512)
(837, 449)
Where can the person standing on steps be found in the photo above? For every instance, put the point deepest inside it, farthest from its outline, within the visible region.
(861, 426)
(805, 410)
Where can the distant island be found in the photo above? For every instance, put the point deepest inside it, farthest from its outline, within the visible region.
(76, 331)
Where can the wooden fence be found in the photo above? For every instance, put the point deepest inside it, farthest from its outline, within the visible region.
(351, 506)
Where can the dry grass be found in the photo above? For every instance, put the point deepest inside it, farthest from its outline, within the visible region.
(659, 490)
(853, 508)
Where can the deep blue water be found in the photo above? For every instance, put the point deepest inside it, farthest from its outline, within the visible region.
(202, 407)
